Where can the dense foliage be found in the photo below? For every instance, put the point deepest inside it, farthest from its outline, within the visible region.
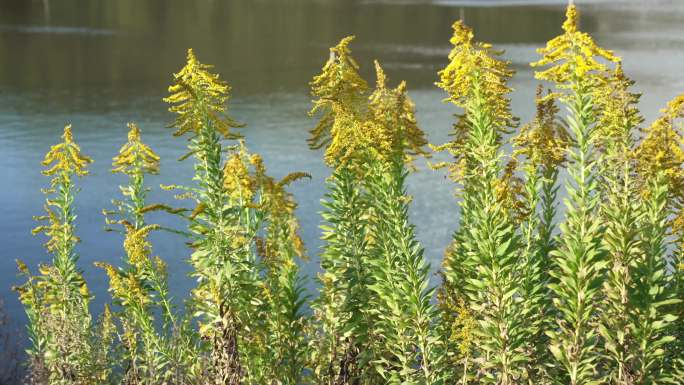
(529, 293)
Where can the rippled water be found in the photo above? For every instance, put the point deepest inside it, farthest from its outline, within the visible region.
(100, 64)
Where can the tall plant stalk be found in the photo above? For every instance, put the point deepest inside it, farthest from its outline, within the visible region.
(367, 334)
(484, 258)
(68, 347)
(581, 258)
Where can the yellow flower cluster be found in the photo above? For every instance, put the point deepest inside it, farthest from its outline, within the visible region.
(661, 149)
(280, 207)
(199, 98)
(136, 245)
(338, 87)
(474, 71)
(135, 156)
(128, 286)
(544, 141)
(66, 157)
(238, 181)
(125, 286)
(355, 126)
(353, 137)
(461, 323)
(246, 181)
(661, 153)
(616, 109)
(393, 112)
(573, 56)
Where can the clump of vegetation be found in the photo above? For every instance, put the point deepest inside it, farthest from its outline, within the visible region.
(68, 347)
(529, 294)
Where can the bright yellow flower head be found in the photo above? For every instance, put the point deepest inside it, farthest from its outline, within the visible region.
(136, 245)
(394, 113)
(66, 157)
(661, 149)
(474, 68)
(572, 56)
(125, 287)
(339, 86)
(196, 95)
(135, 156)
(238, 182)
(616, 108)
(544, 141)
(354, 137)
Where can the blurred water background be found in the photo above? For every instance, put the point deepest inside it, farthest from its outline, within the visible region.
(100, 64)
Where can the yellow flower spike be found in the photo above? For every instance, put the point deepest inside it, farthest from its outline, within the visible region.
(572, 55)
(475, 66)
(339, 88)
(661, 149)
(353, 126)
(160, 266)
(544, 141)
(616, 109)
(476, 80)
(66, 157)
(393, 112)
(136, 245)
(198, 94)
(116, 282)
(237, 180)
(135, 156)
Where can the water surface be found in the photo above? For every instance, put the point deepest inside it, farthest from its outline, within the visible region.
(100, 64)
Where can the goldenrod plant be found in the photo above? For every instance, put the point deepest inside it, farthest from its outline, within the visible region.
(284, 341)
(621, 211)
(68, 347)
(576, 65)
(530, 293)
(233, 203)
(374, 316)
(154, 341)
(481, 267)
(542, 145)
(657, 306)
(223, 263)
(342, 344)
(409, 350)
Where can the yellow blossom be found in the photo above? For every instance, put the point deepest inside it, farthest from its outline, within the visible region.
(573, 56)
(616, 109)
(199, 98)
(66, 157)
(476, 80)
(661, 149)
(544, 141)
(135, 156)
(237, 181)
(283, 227)
(136, 245)
(394, 113)
(54, 229)
(355, 126)
(475, 70)
(338, 86)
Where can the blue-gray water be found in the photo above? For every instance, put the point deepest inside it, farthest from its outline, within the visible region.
(101, 64)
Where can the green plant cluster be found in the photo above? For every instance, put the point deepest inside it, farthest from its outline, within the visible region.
(529, 293)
